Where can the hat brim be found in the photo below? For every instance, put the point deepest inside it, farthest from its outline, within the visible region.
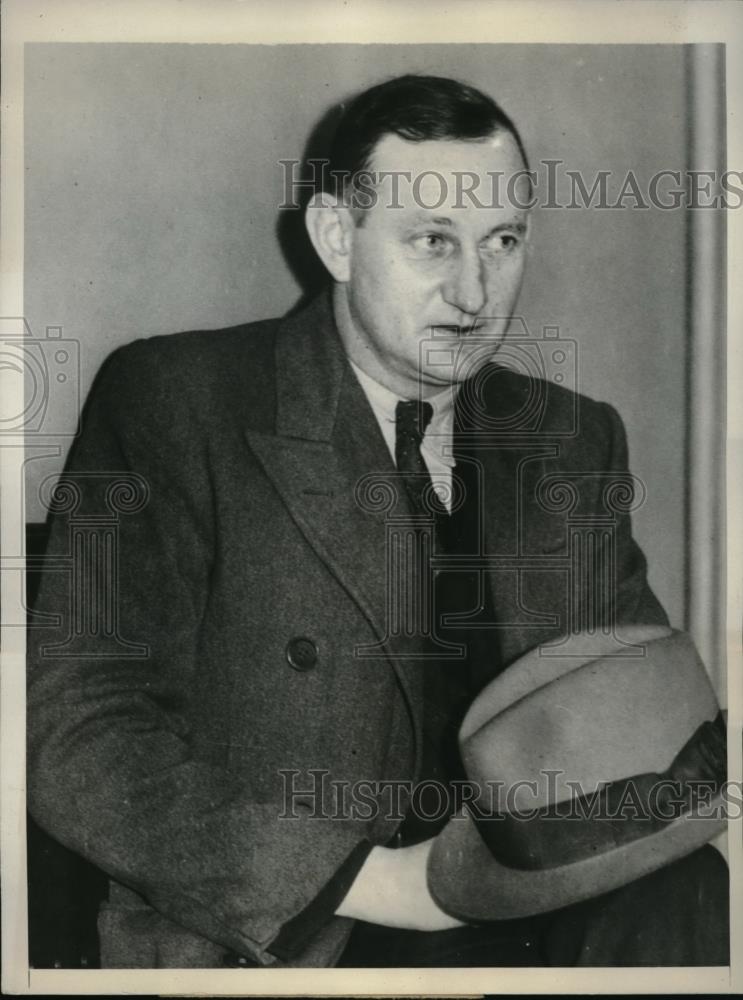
(467, 881)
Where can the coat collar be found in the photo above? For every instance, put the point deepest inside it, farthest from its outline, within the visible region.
(311, 369)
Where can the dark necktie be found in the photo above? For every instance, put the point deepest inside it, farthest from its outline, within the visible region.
(442, 681)
(412, 417)
(448, 685)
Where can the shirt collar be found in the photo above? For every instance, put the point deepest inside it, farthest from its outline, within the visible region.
(438, 437)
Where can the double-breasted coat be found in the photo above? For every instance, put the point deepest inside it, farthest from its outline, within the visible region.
(246, 568)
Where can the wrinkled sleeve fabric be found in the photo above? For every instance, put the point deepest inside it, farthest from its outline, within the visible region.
(297, 934)
(112, 772)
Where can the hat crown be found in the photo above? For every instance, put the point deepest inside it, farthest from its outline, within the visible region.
(570, 723)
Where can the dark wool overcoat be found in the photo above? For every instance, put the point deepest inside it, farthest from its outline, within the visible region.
(171, 706)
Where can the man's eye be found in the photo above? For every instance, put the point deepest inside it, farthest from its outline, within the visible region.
(501, 243)
(430, 245)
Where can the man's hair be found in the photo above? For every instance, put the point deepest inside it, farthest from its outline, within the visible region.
(415, 108)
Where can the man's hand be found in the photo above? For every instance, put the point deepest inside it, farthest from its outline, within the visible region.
(391, 889)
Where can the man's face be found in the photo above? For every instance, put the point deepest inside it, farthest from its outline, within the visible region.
(432, 284)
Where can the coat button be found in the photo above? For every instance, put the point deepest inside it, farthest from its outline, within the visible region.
(301, 653)
(232, 961)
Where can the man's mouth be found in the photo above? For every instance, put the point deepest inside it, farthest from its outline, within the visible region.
(459, 330)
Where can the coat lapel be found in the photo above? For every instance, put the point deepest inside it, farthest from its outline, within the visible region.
(327, 442)
(514, 533)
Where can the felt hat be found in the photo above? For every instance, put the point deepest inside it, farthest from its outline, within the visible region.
(590, 764)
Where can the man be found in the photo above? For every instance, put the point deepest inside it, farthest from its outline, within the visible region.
(262, 654)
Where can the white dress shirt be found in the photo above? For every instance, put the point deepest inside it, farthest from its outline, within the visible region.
(436, 447)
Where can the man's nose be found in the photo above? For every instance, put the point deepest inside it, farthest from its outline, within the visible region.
(465, 286)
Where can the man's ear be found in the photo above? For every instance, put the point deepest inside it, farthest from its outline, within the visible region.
(329, 226)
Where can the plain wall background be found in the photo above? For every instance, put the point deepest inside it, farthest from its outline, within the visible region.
(153, 182)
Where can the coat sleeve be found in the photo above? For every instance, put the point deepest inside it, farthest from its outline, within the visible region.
(632, 601)
(112, 769)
